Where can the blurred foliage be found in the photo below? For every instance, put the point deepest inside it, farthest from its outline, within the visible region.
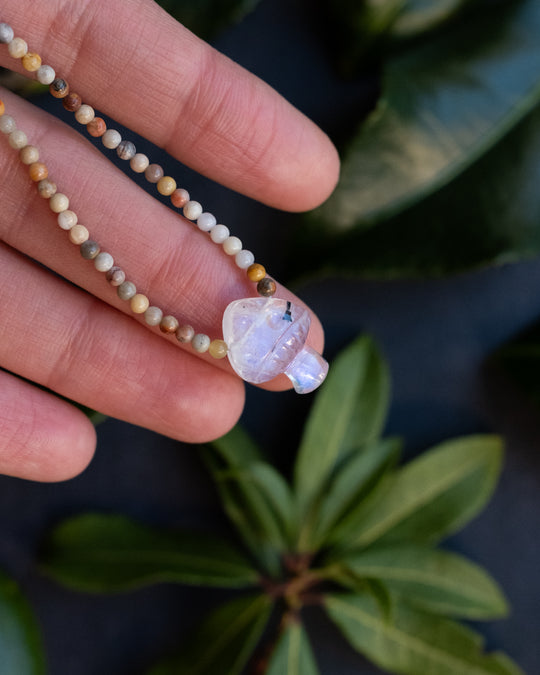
(353, 533)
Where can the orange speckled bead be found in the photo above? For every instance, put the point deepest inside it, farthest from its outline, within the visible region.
(166, 186)
(218, 349)
(256, 272)
(38, 171)
(169, 324)
(59, 88)
(72, 102)
(2, 107)
(179, 198)
(96, 127)
(31, 62)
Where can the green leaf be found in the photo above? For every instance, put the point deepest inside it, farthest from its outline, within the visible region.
(207, 18)
(102, 553)
(421, 16)
(224, 641)
(349, 411)
(354, 479)
(21, 651)
(429, 498)
(293, 654)
(250, 513)
(437, 581)
(237, 448)
(413, 642)
(447, 105)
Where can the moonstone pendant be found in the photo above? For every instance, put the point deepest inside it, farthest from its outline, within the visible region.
(266, 337)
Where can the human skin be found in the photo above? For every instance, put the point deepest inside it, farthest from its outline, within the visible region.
(132, 61)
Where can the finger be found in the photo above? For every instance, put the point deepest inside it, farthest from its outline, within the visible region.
(172, 262)
(64, 339)
(134, 62)
(41, 437)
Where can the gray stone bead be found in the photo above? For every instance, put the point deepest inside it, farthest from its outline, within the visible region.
(126, 290)
(6, 33)
(153, 316)
(200, 343)
(126, 150)
(89, 249)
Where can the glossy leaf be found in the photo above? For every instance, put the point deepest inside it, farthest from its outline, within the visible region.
(446, 108)
(207, 18)
(349, 411)
(429, 498)
(353, 480)
(224, 641)
(110, 553)
(293, 654)
(437, 581)
(21, 651)
(413, 642)
(250, 513)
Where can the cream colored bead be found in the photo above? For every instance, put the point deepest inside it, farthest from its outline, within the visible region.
(59, 202)
(139, 303)
(67, 219)
(103, 262)
(219, 234)
(218, 349)
(18, 139)
(29, 154)
(78, 234)
(192, 210)
(232, 245)
(85, 114)
(17, 48)
(111, 139)
(45, 75)
(139, 163)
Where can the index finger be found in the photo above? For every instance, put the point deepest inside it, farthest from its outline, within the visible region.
(134, 62)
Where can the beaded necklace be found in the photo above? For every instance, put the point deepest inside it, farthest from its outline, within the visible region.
(262, 336)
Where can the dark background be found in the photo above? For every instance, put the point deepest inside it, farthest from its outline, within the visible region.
(436, 336)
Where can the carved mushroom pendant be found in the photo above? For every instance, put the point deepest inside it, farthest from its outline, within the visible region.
(266, 337)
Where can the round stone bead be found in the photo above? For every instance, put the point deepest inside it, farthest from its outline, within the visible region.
(153, 316)
(219, 234)
(59, 88)
(7, 124)
(17, 48)
(67, 219)
(166, 186)
(116, 276)
(59, 202)
(139, 303)
(45, 74)
(18, 139)
(232, 245)
(85, 114)
(2, 108)
(29, 154)
(180, 198)
(126, 290)
(266, 287)
(38, 171)
(31, 62)
(96, 127)
(153, 173)
(72, 101)
(206, 221)
(256, 272)
(6, 33)
(89, 249)
(200, 343)
(244, 259)
(126, 150)
(103, 262)
(46, 188)
(111, 139)
(218, 349)
(192, 210)
(78, 234)
(139, 162)
(169, 324)
(185, 334)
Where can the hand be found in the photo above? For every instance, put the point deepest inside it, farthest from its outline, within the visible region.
(132, 61)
